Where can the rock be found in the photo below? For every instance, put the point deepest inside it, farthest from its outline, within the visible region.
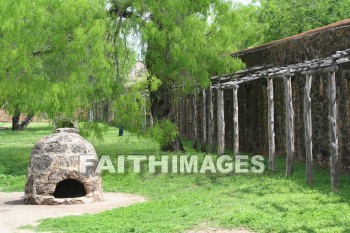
(62, 170)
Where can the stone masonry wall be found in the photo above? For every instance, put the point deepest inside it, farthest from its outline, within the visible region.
(319, 44)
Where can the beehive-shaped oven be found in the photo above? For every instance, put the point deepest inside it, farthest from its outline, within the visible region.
(62, 170)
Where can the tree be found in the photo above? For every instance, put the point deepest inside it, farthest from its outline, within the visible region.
(61, 57)
(185, 43)
(281, 19)
(55, 58)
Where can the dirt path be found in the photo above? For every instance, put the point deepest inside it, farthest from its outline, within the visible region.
(13, 213)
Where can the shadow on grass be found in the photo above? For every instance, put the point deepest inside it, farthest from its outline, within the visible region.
(298, 181)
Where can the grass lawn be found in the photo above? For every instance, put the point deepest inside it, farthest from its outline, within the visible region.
(177, 202)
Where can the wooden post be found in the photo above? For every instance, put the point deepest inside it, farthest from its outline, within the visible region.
(179, 115)
(220, 122)
(211, 122)
(308, 128)
(204, 121)
(185, 115)
(289, 124)
(195, 120)
(333, 137)
(271, 121)
(235, 121)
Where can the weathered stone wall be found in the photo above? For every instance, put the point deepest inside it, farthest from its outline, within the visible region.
(319, 44)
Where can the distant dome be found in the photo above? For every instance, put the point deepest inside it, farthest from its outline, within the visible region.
(55, 174)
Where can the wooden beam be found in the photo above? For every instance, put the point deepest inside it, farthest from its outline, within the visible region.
(289, 125)
(333, 129)
(195, 120)
(211, 122)
(308, 129)
(271, 122)
(220, 122)
(235, 121)
(251, 74)
(204, 121)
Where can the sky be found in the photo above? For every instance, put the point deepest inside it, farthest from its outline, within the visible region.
(242, 1)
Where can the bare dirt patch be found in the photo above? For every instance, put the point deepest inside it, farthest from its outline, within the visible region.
(13, 213)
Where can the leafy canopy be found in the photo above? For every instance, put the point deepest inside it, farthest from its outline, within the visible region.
(55, 55)
(185, 42)
(281, 19)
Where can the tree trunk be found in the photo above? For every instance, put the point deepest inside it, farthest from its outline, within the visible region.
(16, 125)
(161, 106)
(26, 121)
(15, 120)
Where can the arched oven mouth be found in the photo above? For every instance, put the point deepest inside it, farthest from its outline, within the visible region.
(69, 188)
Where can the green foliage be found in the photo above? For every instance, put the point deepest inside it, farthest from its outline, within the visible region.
(154, 83)
(164, 132)
(185, 41)
(63, 57)
(187, 46)
(130, 109)
(93, 129)
(280, 19)
(54, 58)
(248, 28)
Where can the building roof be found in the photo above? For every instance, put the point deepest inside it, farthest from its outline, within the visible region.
(339, 24)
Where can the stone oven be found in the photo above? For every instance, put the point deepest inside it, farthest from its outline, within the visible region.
(62, 170)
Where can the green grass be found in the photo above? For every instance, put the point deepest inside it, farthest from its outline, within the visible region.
(178, 202)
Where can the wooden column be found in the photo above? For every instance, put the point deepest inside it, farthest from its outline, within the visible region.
(204, 121)
(185, 115)
(180, 112)
(195, 120)
(235, 121)
(333, 129)
(271, 121)
(177, 108)
(211, 121)
(220, 121)
(289, 125)
(308, 128)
